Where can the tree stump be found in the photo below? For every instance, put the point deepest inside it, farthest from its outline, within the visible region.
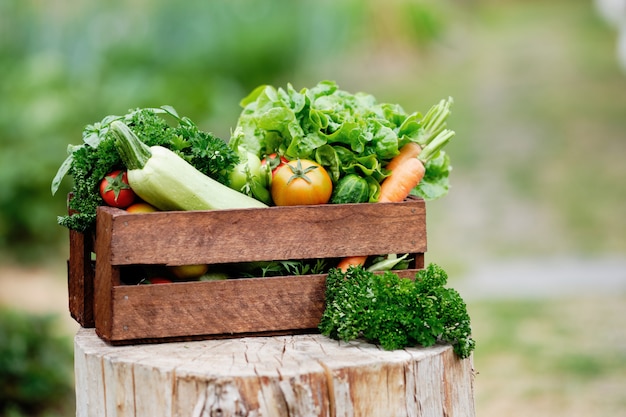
(299, 375)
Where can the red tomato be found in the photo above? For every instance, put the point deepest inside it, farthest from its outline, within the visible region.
(158, 280)
(301, 182)
(274, 162)
(115, 190)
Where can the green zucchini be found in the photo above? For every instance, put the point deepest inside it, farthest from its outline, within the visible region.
(350, 189)
(168, 182)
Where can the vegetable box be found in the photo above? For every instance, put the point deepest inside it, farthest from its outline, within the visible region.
(126, 314)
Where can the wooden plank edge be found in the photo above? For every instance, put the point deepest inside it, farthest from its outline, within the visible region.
(217, 336)
(80, 278)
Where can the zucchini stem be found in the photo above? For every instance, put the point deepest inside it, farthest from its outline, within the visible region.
(134, 152)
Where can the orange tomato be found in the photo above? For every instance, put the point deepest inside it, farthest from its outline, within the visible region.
(141, 208)
(301, 182)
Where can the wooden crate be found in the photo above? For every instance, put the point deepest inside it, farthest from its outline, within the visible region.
(125, 314)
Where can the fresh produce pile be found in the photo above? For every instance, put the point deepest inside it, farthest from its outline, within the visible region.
(320, 145)
(314, 146)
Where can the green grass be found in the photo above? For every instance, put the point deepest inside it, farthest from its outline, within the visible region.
(563, 357)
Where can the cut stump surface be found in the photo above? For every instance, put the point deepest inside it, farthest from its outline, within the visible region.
(299, 375)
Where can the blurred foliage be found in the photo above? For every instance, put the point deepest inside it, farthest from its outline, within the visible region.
(538, 100)
(35, 366)
(64, 65)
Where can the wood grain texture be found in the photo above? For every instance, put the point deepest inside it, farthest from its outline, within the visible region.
(297, 375)
(80, 278)
(221, 307)
(80, 274)
(274, 233)
(107, 276)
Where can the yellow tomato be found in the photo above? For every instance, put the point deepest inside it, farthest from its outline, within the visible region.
(188, 271)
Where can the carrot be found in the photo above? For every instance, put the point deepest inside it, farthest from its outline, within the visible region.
(410, 150)
(397, 186)
(394, 188)
(410, 171)
(407, 170)
(349, 261)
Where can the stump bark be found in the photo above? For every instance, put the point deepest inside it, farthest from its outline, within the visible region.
(295, 376)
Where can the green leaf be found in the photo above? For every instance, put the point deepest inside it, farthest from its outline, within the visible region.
(327, 157)
(170, 110)
(435, 183)
(63, 170)
(179, 143)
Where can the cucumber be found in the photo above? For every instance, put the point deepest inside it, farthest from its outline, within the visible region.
(350, 189)
(168, 182)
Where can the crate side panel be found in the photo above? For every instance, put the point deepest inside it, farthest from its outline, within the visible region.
(80, 278)
(274, 233)
(220, 307)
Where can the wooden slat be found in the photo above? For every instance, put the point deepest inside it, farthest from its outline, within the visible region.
(220, 307)
(107, 276)
(275, 233)
(80, 278)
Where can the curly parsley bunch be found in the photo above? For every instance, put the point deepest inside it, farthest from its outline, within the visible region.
(396, 312)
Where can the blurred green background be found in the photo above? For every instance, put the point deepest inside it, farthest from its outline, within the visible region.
(540, 116)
